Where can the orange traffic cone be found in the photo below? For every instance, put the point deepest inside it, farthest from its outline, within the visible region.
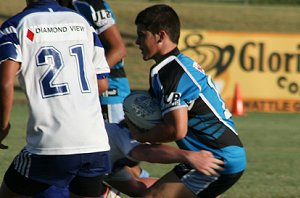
(237, 104)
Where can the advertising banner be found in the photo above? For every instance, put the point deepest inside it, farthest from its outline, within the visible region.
(265, 66)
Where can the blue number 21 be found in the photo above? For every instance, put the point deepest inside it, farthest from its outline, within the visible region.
(51, 57)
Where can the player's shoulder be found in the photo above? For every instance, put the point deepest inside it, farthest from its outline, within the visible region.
(97, 12)
(174, 58)
(95, 4)
(173, 63)
(15, 20)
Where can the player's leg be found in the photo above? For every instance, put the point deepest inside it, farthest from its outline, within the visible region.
(127, 183)
(221, 185)
(88, 180)
(16, 185)
(138, 172)
(169, 186)
(6, 192)
(188, 182)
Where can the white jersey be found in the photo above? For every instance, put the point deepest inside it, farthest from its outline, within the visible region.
(61, 58)
(121, 143)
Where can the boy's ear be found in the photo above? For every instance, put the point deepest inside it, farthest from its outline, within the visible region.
(160, 36)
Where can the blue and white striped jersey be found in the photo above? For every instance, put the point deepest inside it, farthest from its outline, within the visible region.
(101, 16)
(61, 58)
(178, 82)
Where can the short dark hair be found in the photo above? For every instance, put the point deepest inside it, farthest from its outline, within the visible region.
(160, 17)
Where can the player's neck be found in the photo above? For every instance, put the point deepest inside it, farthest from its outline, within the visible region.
(165, 51)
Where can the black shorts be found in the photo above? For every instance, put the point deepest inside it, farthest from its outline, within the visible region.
(202, 185)
(30, 174)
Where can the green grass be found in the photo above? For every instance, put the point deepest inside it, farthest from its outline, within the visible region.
(271, 142)
(16, 138)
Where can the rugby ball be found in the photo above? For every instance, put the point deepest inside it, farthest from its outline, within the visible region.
(142, 110)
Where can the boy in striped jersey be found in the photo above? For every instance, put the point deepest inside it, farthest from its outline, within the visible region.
(194, 114)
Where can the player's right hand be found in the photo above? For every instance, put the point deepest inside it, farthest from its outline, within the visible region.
(3, 134)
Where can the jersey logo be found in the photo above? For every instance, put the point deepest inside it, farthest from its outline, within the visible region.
(30, 35)
(101, 17)
(198, 67)
(173, 99)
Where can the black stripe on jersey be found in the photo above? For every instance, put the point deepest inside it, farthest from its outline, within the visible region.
(169, 76)
(104, 109)
(199, 108)
(227, 138)
(117, 73)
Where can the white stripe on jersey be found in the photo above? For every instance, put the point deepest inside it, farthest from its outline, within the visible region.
(9, 30)
(22, 163)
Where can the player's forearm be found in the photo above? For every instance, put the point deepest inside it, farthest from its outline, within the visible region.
(7, 77)
(159, 153)
(6, 102)
(115, 49)
(114, 56)
(161, 133)
(102, 85)
(173, 128)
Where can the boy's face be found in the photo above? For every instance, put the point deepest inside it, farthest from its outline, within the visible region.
(147, 43)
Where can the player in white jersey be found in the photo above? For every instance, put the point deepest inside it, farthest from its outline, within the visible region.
(62, 69)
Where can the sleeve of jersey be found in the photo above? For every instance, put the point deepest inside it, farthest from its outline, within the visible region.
(122, 138)
(9, 44)
(102, 68)
(105, 19)
(179, 89)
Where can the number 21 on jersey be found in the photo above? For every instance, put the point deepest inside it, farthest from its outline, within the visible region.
(55, 66)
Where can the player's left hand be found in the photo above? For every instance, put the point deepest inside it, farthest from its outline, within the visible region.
(3, 134)
(205, 162)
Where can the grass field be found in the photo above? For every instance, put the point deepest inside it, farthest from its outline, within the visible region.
(271, 140)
